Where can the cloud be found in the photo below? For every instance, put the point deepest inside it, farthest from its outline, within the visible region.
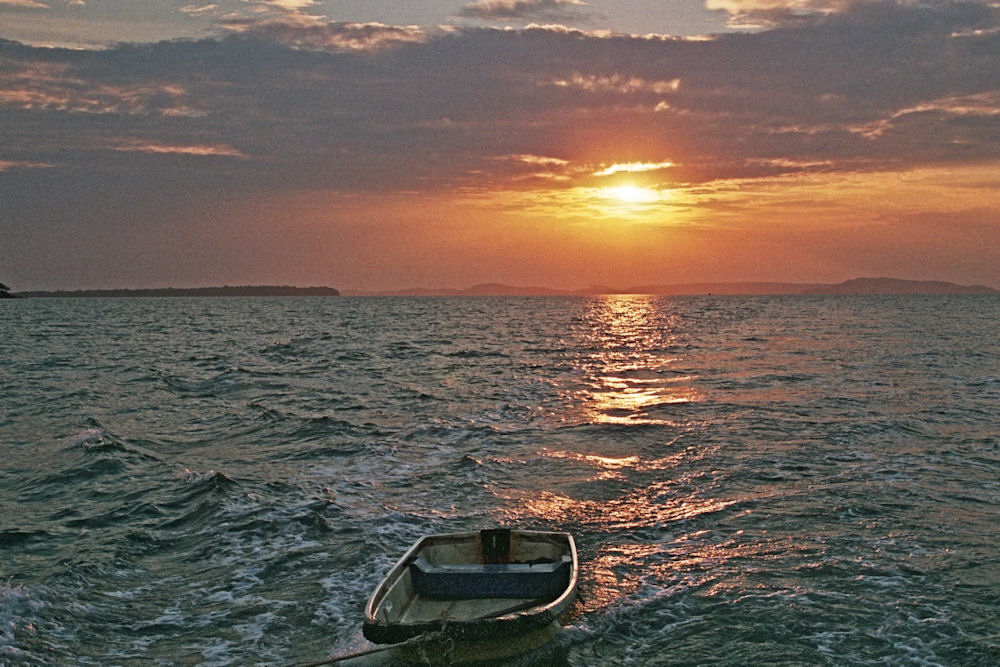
(772, 6)
(981, 104)
(32, 4)
(154, 148)
(622, 83)
(289, 5)
(58, 86)
(633, 168)
(524, 10)
(529, 167)
(539, 160)
(313, 33)
(761, 14)
(199, 10)
(6, 165)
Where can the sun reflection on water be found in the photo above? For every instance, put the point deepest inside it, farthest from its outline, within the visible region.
(644, 508)
(610, 580)
(630, 372)
(617, 571)
(650, 508)
(607, 466)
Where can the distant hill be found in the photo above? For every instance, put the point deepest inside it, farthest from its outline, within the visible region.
(897, 286)
(856, 286)
(726, 288)
(486, 289)
(245, 290)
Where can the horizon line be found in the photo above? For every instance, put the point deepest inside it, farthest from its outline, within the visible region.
(861, 285)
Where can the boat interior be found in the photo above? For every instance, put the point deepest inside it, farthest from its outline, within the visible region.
(489, 574)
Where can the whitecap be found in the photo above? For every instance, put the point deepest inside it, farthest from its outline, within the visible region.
(17, 608)
(84, 438)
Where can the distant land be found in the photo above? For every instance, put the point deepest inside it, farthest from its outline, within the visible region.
(896, 286)
(855, 286)
(244, 290)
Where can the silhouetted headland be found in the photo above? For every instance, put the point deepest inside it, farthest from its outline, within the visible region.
(243, 290)
(896, 286)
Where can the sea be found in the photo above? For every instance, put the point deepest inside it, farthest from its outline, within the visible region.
(750, 480)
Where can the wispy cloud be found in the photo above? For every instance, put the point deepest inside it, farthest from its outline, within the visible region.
(633, 168)
(621, 83)
(199, 10)
(207, 150)
(313, 33)
(539, 160)
(981, 104)
(6, 165)
(771, 6)
(59, 86)
(24, 3)
(526, 167)
(289, 5)
(760, 14)
(524, 10)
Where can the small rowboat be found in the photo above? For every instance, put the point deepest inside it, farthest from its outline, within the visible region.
(490, 585)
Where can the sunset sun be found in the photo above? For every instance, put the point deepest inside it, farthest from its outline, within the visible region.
(632, 194)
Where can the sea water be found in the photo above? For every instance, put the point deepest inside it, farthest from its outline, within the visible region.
(750, 480)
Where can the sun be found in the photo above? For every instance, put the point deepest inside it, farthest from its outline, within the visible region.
(632, 194)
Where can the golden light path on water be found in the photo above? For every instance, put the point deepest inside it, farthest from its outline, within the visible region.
(632, 375)
(631, 370)
(613, 571)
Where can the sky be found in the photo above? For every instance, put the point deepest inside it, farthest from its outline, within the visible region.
(384, 145)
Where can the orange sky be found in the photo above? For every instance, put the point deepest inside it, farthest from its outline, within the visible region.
(814, 228)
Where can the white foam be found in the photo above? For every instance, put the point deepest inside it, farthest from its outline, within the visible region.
(89, 436)
(17, 608)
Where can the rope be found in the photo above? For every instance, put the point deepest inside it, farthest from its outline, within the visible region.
(418, 639)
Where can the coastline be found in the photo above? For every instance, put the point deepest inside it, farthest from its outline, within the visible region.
(226, 291)
(857, 286)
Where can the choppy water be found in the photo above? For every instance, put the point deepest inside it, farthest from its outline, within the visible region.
(750, 480)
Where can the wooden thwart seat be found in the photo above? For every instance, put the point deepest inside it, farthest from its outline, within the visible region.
(542, 580)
